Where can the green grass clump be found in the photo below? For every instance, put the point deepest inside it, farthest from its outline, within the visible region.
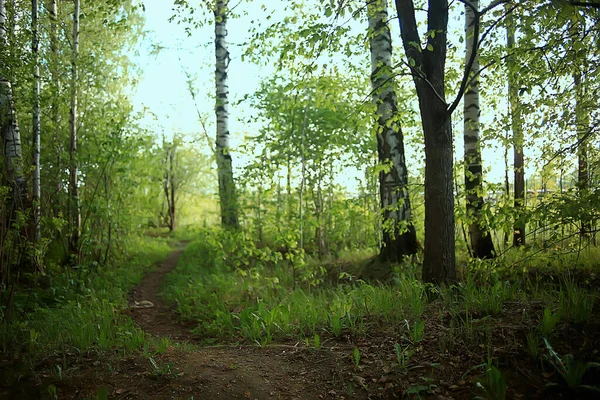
(248, 294)
(80, 310)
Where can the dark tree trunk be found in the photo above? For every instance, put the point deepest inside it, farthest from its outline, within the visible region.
(74, 210)
(517, 129)
(439, 263)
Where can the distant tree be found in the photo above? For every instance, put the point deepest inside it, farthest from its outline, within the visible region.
(36, 123)
(517, 131)
(74, 206)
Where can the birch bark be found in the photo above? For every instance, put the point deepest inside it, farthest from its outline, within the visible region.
(9, 127)
(481, 241)
(74, 211)
(399, 235)
(227, 192)
(35, 47)
(55, 106)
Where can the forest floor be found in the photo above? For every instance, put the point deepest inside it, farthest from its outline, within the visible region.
(185, 370)
(178, 366)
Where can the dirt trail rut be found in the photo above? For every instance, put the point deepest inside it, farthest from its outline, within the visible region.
(228, 372)
(159, 319)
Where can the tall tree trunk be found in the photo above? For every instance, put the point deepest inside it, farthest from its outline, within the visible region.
(227, 192)
(506, 189)
(35, 46)
(320, 227)
(517, 130)
(582, 121)
(479, 236)
(74, 212)
(169, 183)
(55, 107)
(428, 65)
(9, 127)
(172, 187)
(399, 235)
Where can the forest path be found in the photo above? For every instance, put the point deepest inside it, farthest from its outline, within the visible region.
(158, 319)
(196, 372)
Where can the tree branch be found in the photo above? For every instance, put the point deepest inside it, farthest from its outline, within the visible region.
(466, 81)
(469, 66)
(408, 30)
(584, 4)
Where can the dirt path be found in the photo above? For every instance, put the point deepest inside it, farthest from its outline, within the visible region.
(195, 372)
(158, 319)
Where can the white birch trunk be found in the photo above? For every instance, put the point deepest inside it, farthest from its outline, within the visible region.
(35, 46)
(75, 217)
(9, 126)
(481, 241)
(55, 107)
(399, 237)
(227, 192)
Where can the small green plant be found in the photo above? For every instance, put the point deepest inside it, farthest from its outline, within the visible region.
(356, 357)
(51, 389)
(336, 325)
(494, 384)
(417, 330)
(162, 345)
(403, 355)
(317, 341)
(33, 339)
(576, 303)
(532, 344)
(102, 394)
(160, 370)
(570, 373)
(548, 322)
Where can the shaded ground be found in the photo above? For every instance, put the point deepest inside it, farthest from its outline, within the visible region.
(210, 373)
(191, 372)
(447, 364)
(157, 320)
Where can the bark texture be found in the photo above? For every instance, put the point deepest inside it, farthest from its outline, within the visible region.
(582, 121)
(9, 128)
(428, 64)
(35, 46)
(399, 235)
(74, 211)
(227, 192)
(517, 130)
(479, 236)
(55, 107)
(169, 187)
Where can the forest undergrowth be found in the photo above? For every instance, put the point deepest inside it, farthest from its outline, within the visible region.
(75, 312)
(521, 325)
(524, 325)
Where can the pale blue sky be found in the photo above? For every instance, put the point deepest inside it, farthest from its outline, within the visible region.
(164, 91)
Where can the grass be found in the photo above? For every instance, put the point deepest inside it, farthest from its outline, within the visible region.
(79, 311)
(236, 292)
(252, 303)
